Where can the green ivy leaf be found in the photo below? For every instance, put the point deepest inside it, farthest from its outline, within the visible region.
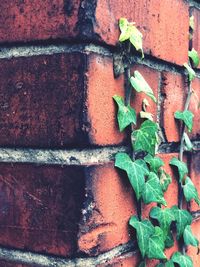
(191, 72)
(154, 163)
(146, 115)
(156, 245)
(125, 28)
(189, 238)
(140, 85)
(187, 117)
(126, 114)
(152, 190)
(165, 217)
(193, 54)
(190, 191)
(183, 218)
(182, 167)
(165, 179)
(136, 39)
(182, 260)
(144, 229)
(145, 138)
(136, 171)
(188, 143)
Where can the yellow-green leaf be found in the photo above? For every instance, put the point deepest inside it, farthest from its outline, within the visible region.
(193, 54)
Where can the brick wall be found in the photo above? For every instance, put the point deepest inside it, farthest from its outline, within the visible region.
(62, 202)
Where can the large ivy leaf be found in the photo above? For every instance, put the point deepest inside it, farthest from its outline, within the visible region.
(165, 179)
(189, 238)
(182, 167)
(140, 85)
(152, 190)
(126, 114)
(136, 171)
(144, 229)
(154, 162)
(156, 245)
(145, 138)
(193, 54)
(191, 72)
(190, 191)
(183, 218)
(187, 117)
(182, 260)
(165, 217)
(131, 33)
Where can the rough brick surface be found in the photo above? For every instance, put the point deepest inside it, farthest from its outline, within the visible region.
(173, 91)
(40, 207)
(107, 209)
(41, 100)
(163, 37)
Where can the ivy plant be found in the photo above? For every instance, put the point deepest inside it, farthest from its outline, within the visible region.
(146, 171)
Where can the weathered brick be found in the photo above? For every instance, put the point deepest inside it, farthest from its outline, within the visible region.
(173, 92)
(163, 37)
(40, 207)
(108, 207)
(194, 107)
(98, 21)
(196, 35)
(195, 176)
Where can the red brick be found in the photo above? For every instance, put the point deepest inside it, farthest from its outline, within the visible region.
(40, 207)
(107, 211)
(196, 35)
(41, 100)
(33, 20)
(173, 93)
(194, 107)
(192, 251)
(163, 37)
(195, 176)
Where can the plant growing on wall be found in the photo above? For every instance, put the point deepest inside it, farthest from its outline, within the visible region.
(145, 170)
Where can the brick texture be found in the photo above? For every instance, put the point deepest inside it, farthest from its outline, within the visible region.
(196, 36)
(40, 207)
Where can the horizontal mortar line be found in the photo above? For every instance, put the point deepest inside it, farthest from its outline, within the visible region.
(75, 156)
(36, 50)
(60, 157)
(36, 259)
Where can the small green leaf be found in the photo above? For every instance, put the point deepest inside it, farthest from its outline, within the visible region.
(152, 190)
(123, 24)
(190, 191)
(156, 245)
(146, 115)
(154, 162)
(136, 39)
(182, 260)
(189, 238)
(136, 171)
(188, 143)
(126, 114)
(183, 218)
(193, 54)
(144, 139)
(125, 28)
(165, 179)
(165, 217)
(191, 72)
(182, 167)
(187, 117)
(140, 85)
(144, 229)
